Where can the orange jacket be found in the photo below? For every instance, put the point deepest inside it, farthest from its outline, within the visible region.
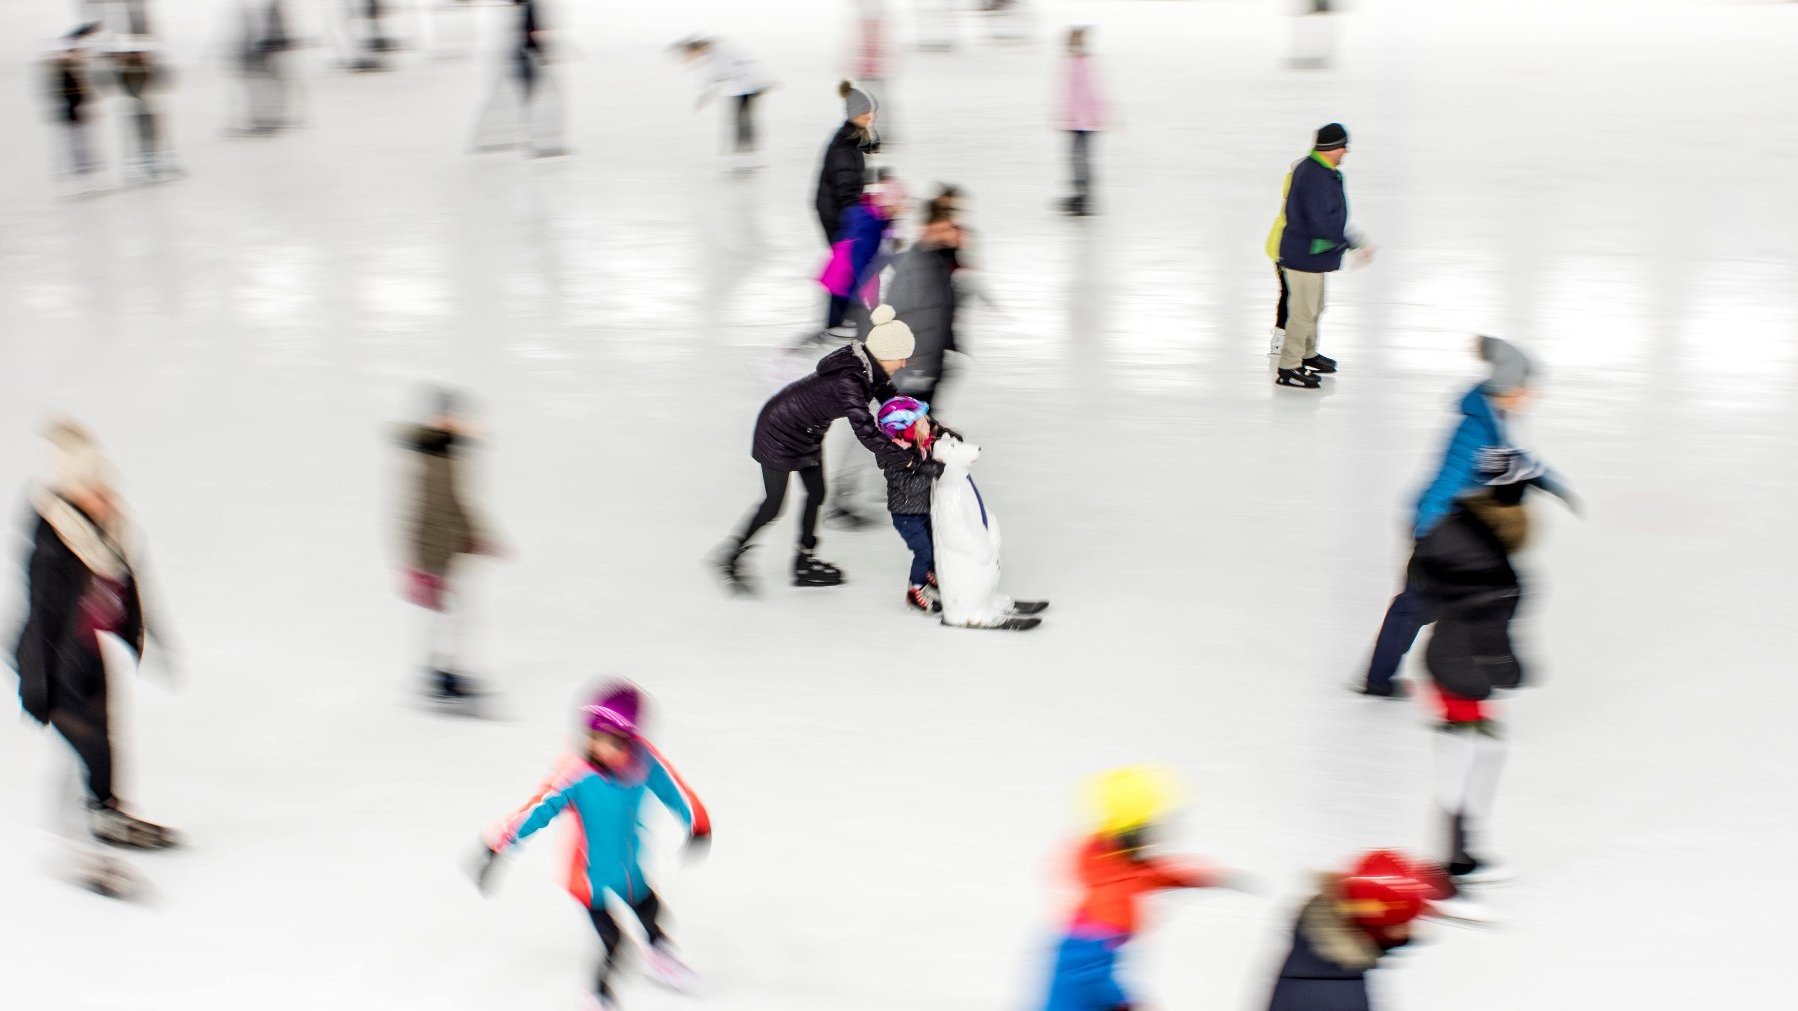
(1113, 878)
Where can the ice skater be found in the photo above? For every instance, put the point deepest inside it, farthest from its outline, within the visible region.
(72, 99)
(789, 439)
(907, 422)
(1116, 869)
(871, 60)
(140, 75)
(729, 73)
(844, 170)
(604, 786)
(1480, 439)
(925, 291)
(82, 587)
(263, 63)
(1313, 235)
(1082, 116)
(441, 529)
(851, 277)
(965, 533)
(525, 108)
(1347, 927)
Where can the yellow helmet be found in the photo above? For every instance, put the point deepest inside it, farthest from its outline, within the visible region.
(1131, 797)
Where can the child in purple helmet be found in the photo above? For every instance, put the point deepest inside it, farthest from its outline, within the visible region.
(907, 422)
(605, 785)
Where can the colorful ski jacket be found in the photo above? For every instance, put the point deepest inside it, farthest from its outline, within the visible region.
(608, 834)
(1114, 878)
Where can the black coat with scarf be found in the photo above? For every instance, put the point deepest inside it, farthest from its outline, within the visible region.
(1326, 970)
(840, 178)
(52, 674)
(789, 433)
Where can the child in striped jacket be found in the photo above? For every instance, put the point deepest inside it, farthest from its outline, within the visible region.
(604, 789)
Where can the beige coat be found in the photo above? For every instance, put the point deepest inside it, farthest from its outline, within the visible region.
(440, 525)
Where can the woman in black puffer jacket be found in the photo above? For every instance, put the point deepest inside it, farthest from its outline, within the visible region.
(845, 168)
(789, 437)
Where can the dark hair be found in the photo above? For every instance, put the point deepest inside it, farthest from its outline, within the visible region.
(844, 88)
(938, 209)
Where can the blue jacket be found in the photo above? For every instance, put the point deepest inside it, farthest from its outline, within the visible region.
(1316, 233)
(866, 231)
(605, 808)
(1459, 474)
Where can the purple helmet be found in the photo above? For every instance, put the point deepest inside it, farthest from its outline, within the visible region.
(614, 710)
(899, 414)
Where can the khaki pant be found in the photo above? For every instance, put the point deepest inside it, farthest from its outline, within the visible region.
(1304, 303)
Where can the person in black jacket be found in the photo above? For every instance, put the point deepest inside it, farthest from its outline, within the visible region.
(845, 168)
(1347, 927)
(923, 291)
(789, 437)
(907, 421)
(71, 95)
(80, 586)
(1313, 236)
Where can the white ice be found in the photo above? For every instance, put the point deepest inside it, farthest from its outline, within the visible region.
(1608, 183)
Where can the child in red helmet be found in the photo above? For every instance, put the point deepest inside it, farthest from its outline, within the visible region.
(1347, 927)
(605, 787)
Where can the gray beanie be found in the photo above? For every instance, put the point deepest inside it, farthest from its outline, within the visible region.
(1511, 368)
(856, 102)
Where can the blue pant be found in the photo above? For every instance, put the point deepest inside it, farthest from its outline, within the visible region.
(1083, 979)
(915, 528)
(1409, 613)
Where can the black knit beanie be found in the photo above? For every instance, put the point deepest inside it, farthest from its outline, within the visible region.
(1331, 137)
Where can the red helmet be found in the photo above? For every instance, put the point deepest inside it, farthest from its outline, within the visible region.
(1388, 888)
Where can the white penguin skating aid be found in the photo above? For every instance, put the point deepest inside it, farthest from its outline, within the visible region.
(966, 540)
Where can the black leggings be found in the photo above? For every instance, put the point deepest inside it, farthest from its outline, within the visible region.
(746, 122)
(610, 934)
(85, 728)
(774, 495)
(1280, 307)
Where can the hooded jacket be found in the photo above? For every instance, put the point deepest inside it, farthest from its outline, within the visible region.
(789, 433)
(840, 178)
(52, 673)
(1326, 970)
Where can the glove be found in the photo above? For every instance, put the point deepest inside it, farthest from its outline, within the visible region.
(699, 845)
(482, 867)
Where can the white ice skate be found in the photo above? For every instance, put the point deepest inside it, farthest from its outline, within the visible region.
(1487, 874)
(666, 970)
(1463, 909)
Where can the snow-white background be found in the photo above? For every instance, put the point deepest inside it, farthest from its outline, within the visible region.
(1607, 183)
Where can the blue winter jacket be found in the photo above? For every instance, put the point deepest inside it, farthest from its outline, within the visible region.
(1459, 474)
(1316, 233)
(865, 229)
(605, 807)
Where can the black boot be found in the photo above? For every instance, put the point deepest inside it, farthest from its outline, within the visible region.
(728, 561)
(1299, 378)
(1318, 363)
(809, 571)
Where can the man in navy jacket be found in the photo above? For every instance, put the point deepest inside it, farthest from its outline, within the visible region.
(1313, 238)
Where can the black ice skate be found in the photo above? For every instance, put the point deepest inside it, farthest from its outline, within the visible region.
(1012, 624)
(1318, 363)
(1299, 378)
(919, 598)
(114, 827)
(1029, 606)
(728, 561)
(104, 875)
(1394, 690)
(809, 571)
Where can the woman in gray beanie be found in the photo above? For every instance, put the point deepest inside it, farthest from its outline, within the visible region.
(845, 168)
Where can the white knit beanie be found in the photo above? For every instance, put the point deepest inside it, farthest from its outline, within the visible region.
(75, 461)
(890, 340)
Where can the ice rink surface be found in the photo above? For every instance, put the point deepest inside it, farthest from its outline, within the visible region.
(1609, 184)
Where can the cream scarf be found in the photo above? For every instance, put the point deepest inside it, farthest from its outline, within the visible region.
(105, 550)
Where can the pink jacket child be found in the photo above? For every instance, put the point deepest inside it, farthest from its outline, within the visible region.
(1082, 115)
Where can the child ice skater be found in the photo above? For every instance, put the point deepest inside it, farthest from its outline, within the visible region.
(605, 787)
(1347, 927)
(906, 421)
(1116, 869)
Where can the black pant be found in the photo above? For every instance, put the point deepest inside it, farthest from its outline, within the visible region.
(85, 728)
(774, 488)
(849, 309)
(610, 934)
(1280, 307)
(1411, 610)
(746, 122)
(1083, 167)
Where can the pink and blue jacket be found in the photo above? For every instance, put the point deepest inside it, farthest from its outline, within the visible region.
(606, 807)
